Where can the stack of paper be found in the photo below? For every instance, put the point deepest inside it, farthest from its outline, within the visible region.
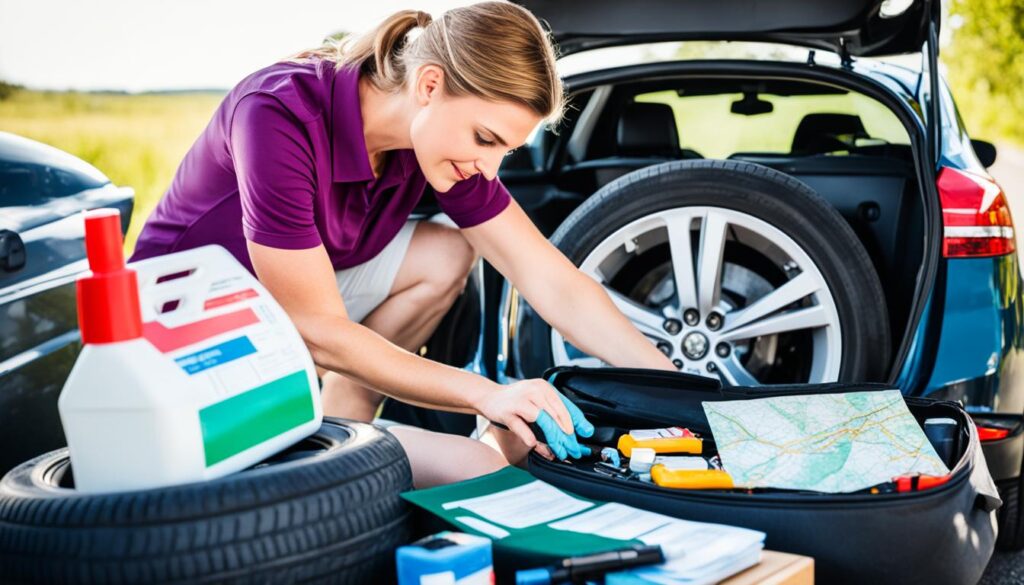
(527, 505)
(523, 514)
(697, 553)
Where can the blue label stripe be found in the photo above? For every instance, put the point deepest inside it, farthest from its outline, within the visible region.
(216, 355)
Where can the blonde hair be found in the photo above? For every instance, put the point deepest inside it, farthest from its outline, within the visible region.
(494, 50)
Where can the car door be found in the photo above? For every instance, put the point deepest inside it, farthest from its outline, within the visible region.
(42, 194)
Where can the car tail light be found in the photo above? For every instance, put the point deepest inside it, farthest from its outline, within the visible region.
(975, 216)
(992, 433)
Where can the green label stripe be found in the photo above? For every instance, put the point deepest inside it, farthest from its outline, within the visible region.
(233, 425)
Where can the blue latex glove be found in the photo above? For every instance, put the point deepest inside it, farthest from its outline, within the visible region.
(564, 444)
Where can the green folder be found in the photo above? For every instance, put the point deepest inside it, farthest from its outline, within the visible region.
(526, 547)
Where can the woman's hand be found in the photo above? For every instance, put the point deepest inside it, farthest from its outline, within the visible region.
(516, 405)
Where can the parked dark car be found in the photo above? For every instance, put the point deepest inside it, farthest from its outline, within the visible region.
(42, 194)
(761, 221)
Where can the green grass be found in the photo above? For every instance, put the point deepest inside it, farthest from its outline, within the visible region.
(136, 140)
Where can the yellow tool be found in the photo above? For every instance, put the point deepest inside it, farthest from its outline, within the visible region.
(686, 479)
(690, 444)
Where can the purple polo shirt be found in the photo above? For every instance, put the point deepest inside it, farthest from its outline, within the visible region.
(283, 163)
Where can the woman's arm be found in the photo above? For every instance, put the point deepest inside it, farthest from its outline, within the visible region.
(302, 281)
(275, 165)
(572, 302)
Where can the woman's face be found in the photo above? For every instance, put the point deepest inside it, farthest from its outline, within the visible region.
(455, 138)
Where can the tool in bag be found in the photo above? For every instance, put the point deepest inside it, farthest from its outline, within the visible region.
(706, 479)
(670, 440)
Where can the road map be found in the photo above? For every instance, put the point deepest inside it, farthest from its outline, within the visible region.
(831, 443)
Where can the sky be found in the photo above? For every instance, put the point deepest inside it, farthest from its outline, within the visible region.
(142, 45)
(146, 45)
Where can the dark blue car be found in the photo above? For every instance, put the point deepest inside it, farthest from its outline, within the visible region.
(811, 215)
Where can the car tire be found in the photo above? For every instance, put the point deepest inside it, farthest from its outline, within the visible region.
(327, 509)
(1008, 517)
(757, 191)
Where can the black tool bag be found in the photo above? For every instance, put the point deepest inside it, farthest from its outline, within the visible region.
(944, 534)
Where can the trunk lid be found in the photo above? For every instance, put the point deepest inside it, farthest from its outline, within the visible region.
(849, 27)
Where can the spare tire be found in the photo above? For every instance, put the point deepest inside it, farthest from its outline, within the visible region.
(327, 509)
(775, 286)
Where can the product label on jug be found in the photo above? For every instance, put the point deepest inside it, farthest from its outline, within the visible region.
(237, 350)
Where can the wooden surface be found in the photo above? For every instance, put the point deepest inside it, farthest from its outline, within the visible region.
(776, 568)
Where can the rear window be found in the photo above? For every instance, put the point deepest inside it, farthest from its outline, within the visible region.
(707, 125)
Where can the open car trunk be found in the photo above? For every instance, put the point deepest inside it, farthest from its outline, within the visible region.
(873, 183)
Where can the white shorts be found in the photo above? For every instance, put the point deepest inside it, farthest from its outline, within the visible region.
(365, 286)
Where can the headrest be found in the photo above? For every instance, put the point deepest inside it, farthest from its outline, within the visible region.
(827, 132)
(648, 129)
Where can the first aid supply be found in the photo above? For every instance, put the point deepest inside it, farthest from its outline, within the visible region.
(641, 460)
(669, 440)
(611, 455)
(189, 369)
(446, 558)
(691, 480)
(682, 463)
(577, 569)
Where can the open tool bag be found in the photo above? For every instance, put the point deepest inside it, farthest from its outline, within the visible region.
(943, 534)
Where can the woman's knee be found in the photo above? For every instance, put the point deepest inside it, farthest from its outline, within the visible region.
(452, 259)
(439, 458)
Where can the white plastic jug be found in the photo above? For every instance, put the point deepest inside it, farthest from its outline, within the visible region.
(190, 374)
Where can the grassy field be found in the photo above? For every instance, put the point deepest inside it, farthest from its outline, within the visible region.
(136, 140)
(139, 140)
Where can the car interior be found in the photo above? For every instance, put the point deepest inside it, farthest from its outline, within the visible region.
(846, 146)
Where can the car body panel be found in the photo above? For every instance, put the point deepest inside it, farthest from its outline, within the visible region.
(982, 305)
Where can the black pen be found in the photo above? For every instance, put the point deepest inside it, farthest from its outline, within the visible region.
(577, 568)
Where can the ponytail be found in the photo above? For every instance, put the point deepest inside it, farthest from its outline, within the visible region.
(378, 53)
(494, 50)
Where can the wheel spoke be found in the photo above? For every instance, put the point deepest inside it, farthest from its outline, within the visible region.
(709, 262)
(645, 319)
(735, 374)
(800, 287)
(808, 318)
(682, 259)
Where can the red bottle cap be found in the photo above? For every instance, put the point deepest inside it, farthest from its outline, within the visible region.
(108, 299)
